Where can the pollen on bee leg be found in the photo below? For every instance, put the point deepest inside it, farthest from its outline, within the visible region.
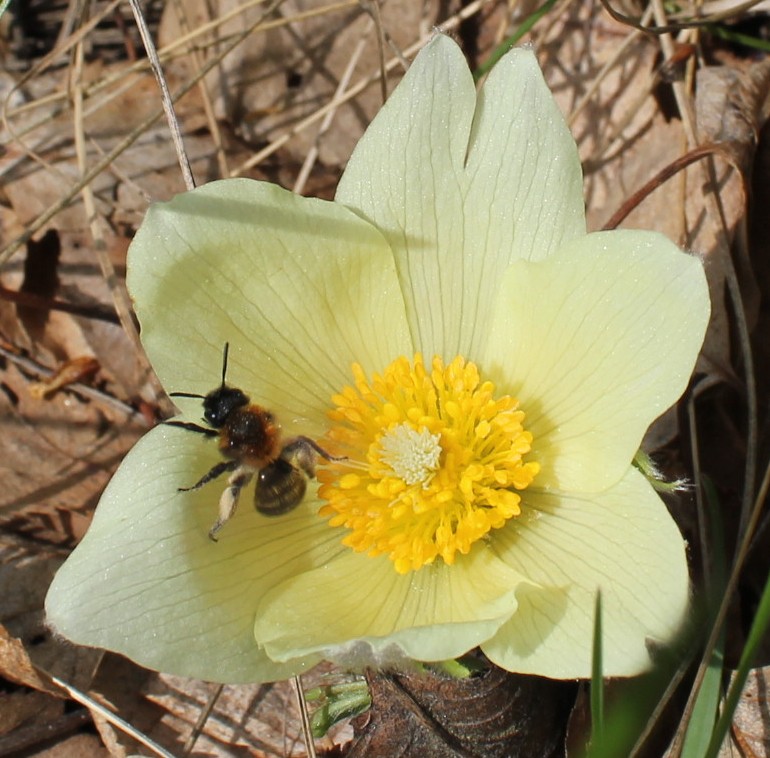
(436, 461)
(228, 502)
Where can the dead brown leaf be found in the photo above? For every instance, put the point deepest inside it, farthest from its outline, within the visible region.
(77, 746)
(254, 720)
(20, 706)
(76, 370)
(492, 714)
(31, 721)
(750, 733)
(16, 666)
(57, 461)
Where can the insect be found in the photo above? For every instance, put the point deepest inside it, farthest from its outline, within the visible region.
(250, 441)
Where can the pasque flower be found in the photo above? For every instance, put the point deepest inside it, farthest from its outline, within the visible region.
(486, 368)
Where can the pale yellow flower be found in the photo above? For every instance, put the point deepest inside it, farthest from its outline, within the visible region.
(488, 368)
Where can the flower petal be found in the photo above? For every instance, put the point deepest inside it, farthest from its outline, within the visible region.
(300, 288)
(148, 583)
(461, 189)
(596, 342)
(621, 541)
(432, 614)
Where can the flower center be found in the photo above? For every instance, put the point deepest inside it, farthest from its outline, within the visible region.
(412, 455)
(433, 461)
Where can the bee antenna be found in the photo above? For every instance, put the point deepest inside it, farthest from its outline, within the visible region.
(185, 394)
(224, 362)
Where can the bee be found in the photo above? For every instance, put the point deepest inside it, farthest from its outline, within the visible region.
(250, 442)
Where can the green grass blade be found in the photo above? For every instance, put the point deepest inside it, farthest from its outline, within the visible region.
(704, 714)
(509, 42)
(723, 32)
(705, 710)
(758, 629)
(597, 678)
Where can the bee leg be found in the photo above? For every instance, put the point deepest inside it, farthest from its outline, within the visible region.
(214, 472)
(193, 428)
(303, 452)
(229, 500)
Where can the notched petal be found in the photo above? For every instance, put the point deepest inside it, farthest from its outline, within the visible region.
(462, 187)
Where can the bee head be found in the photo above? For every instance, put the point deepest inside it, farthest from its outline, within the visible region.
(221, 402)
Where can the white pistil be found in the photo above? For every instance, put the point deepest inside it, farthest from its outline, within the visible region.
(413, 455)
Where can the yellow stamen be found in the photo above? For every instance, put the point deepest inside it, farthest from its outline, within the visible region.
(433, 459)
